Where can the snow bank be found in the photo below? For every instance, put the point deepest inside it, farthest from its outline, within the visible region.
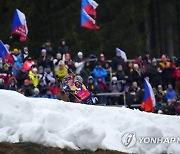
(63, 124)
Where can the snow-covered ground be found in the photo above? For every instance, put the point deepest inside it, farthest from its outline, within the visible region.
(61, 124)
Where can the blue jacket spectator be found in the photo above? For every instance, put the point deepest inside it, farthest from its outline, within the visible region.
(99, 71)
(49, 95)
(170, 94)
(36, 93)
(17, 65)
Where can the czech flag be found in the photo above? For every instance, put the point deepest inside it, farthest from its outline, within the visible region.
(87, 21)
(5, 55)
(19, 26)
(90, 7)
(149, 98)
(88, 14)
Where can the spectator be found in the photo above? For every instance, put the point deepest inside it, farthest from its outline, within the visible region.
(147, 61)
(25, 54)
(41, 74)
(43, 59)
(28, 64)
(69, 62)
(102, 59)
(102, 88)
(120, 73)
(2, 86)
(128, 73)
(48, 75)
(49, 95)
(33, 75)
(108, 69)
(85, 72)
(15, 53)
(36, 93)
(91, 86)
(42, 87)
(21, 76)
(170, 108)
(166, 71)
(93, 60)
(79, 63)
(128, 100)
(17, 65)
(12, 84)
(160, 95)
(63, 48)
(62, 71)
(170, 94)
(135, 89)
(27, 88)
(137, 75)
(47, 46)
(114, 87)
(56, 61)
(174, 71)
(6, 75)
(99, 71)
(62, 95)
(154, 73)
(140, 63)
(117, 60)
(54, 87)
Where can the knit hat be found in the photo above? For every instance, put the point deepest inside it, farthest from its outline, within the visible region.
(154, 60)
(114, 78)
(34, 69)
(90, 77)
(43, 51)
(80, 53)
(136, 65)
(36, 90)
(15, 50)
(101, 55)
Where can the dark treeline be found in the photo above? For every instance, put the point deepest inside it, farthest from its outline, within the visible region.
(135, 26)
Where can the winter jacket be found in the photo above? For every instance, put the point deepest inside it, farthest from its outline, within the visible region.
(99, 72)
(49, 96)
(20, 77)
(34, 78)
(79, 64)
(115, 87)
(170, 94)
(117, 61)
(61, 73)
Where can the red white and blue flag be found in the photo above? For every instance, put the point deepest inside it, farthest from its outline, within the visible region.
(19, 26)
(149, 98)
(88, 14)
(90, 7)
(5, 55)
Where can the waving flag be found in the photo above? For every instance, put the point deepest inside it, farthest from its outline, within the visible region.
(19, 26)
(88, 14)
(90, 7)
(87, 21)
(149, 98)
(123, 54)
(5, 55)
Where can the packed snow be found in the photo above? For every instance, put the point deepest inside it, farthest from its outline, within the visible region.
(69, 125)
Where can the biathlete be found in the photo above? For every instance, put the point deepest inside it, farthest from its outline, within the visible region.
(74, 86)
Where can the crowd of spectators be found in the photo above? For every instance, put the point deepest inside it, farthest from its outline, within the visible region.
(122, 80)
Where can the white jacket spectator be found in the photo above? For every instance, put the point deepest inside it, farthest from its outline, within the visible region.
(79, 64)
